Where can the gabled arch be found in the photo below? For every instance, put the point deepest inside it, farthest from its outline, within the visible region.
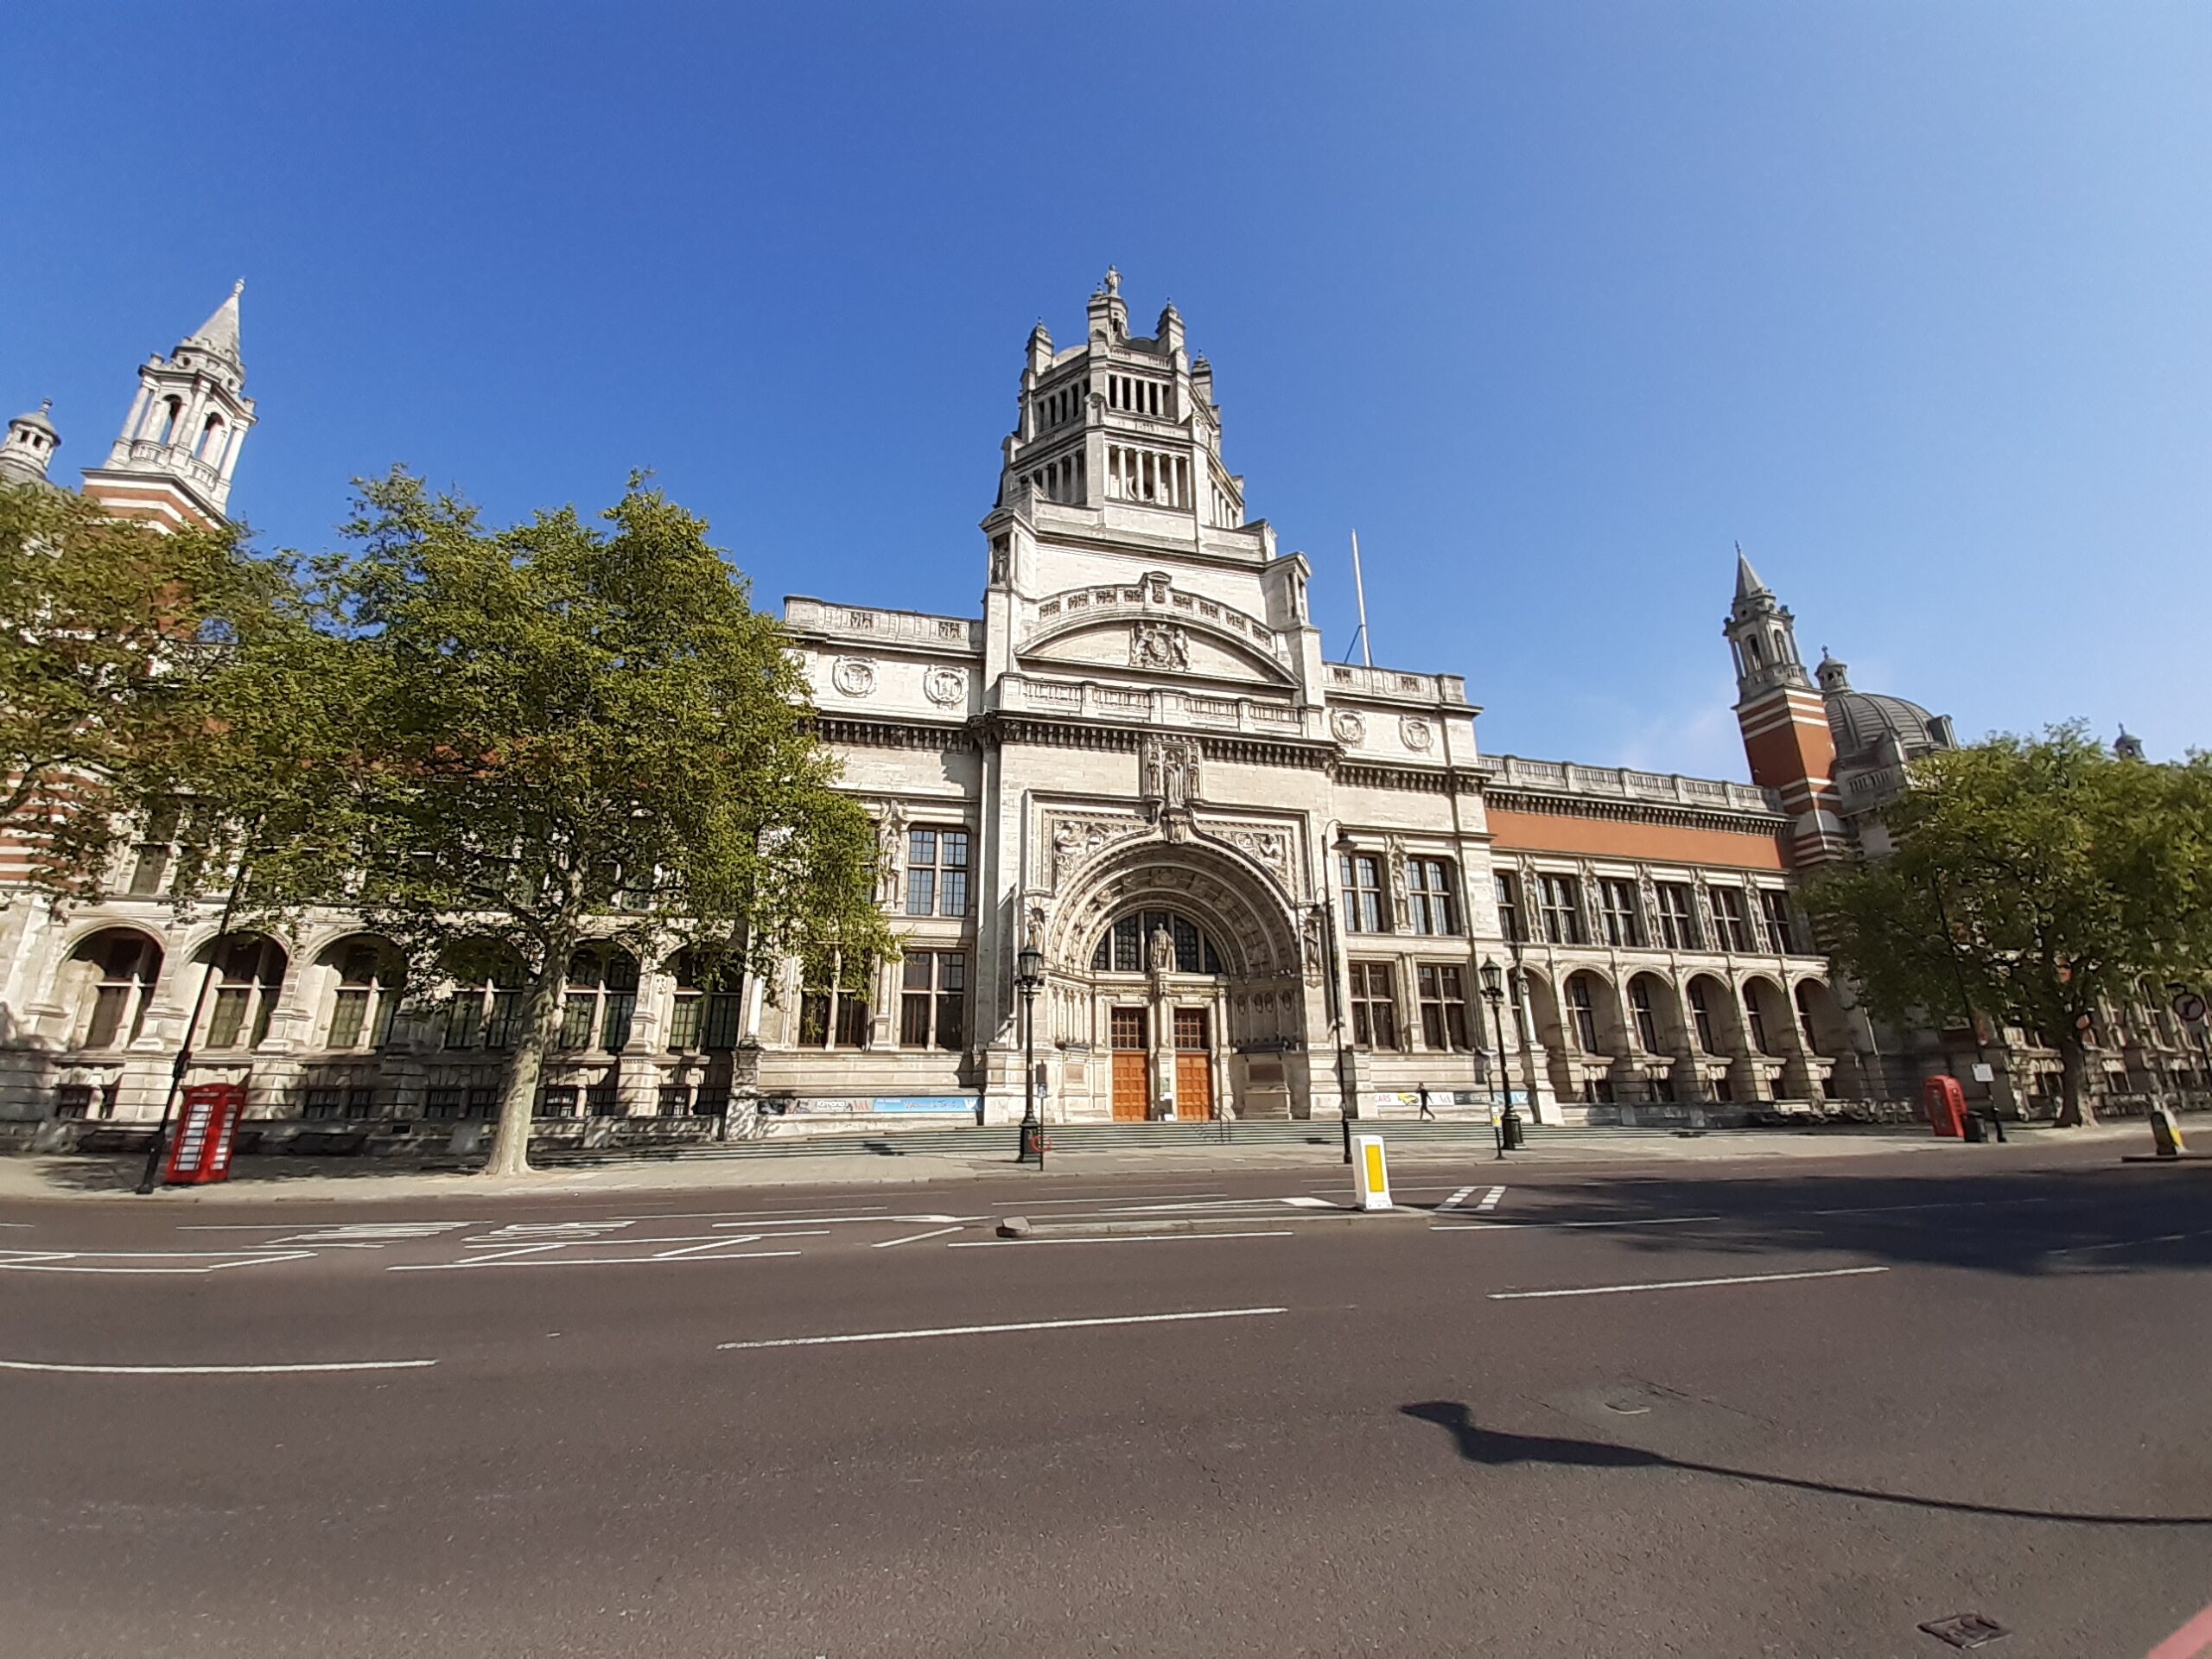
(1225, 893)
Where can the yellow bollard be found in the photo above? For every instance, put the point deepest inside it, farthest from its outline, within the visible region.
(2165, 1133)
(1371, 1176)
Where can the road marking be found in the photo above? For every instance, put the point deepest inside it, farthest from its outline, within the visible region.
(553, 1229)
(279, 1226)
(1547, 1226)
(1490, 1198)
(2129, 1243)
(217, 1370)
(1117, 1239)
(584, 1261)
(66, 1261)
(2193, 1639)
(1309, 1204)
(740, 1215)
(373, 1234)
(913, 1238)
(824, 1221)
(1456, 1199)
(1680, 1284)
(1941, 1204)
(994, 1330)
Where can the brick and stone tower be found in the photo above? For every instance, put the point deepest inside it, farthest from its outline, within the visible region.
(180, 443)
(1787, 738)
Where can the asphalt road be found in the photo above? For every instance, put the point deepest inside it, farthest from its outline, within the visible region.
(1916, 1387)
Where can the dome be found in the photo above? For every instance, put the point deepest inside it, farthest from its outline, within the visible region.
(1863, 721)
(36, 418)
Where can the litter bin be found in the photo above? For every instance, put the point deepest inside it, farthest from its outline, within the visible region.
(1972, 1124)
(1511, 1126)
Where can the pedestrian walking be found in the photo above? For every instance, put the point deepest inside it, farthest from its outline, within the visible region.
(1422, 1097)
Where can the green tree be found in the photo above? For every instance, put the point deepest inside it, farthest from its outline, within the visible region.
(2041, 880)
(113, 636)
(504, 743)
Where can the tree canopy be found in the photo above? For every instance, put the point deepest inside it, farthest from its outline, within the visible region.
(2037, 879)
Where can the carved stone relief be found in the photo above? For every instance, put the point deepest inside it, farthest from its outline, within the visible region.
(1349, 727)
(1414, 734)
(1159, 645)
(1169, 770)
(1074, 841)
(853, 677)
(945, 686)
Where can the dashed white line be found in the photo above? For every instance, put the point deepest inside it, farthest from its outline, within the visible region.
(1456, 1199)
(913, 1238)
(1490, 1198)
(217, 1370)
(1680, 1284)
(994, 1330)
(1118, 1238)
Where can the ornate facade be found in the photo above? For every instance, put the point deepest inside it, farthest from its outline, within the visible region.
(1263, 883)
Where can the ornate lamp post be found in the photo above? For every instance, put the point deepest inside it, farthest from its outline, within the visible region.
(1028, 977)
(1509, 1126)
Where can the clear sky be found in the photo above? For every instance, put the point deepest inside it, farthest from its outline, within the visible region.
(1551, 302)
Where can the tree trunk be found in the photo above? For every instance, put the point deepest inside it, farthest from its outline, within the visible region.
(2075, 1109)
(519, 1096)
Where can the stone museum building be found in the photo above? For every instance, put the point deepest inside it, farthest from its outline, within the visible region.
(1263, 883)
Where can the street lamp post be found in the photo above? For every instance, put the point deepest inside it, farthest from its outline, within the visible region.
(1028, 977)
(1494, 993)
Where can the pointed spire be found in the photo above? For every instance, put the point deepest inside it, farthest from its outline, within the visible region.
(219, 333)
(1747, 580)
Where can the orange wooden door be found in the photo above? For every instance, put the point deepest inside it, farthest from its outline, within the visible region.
(1193, 1066)
(1132, 1090)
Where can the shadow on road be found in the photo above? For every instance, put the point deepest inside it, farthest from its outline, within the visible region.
(1495, 1448)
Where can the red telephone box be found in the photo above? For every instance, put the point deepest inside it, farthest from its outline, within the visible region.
(200, 1144)
(1945, 1102)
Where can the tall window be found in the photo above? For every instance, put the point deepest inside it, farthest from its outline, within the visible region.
(1647, 1019)
(1443, 988)
(933, 1000)
(937, 872)
(483, 1010)
(1781, 931)
(1805, 1000)
(1619, 912)
(1374, 1009)
(249, 976)
(1678, 929)
(1126, 947)
(1701, 1016)
(833, 1004)
(1583, 1011)
(1361, 874)
(367, 995)
(1729, 919)
(128, 963)
(1755, 1020)
(1510, 922)
(1563, 902)
(601, 1001)
(709, 1011)
(1428, 884)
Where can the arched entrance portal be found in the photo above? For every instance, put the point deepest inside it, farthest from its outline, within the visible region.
(1176, 988)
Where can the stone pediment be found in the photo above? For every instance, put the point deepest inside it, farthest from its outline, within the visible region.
(1153, 627)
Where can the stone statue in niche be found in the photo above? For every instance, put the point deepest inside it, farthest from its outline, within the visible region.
(1168, 768)
(1395, 856)
(1163, 951)
(1314, 947)
(890, 853)
(1159, 645)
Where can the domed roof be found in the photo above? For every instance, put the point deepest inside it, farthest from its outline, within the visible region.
(1861, 719)
(38, 418)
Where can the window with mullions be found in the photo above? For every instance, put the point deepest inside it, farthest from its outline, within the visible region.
(1755, 1021)
(1620, 912)
(937, 872)
(1126, 948)
(1582, 1012)
(1729, 919)
(482, 1011)
(1510, 922)
(1428, 894)
(370, 977)
(601, 999)
(1701, 1017)
(934, 1000)
(249, 975)
(1374, 1007)
(1361, 876)
(1647, 1018)
(1562, 901)
(833, 1004)
(1781, 928)
(1678, 929)
(1443, 988)
(708, 1009)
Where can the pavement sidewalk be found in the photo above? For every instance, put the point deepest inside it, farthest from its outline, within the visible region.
(328, 1180)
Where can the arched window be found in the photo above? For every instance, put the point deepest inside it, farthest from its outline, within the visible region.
(1647, 1018)
(210, 448)
(249, 976)
(601, 1001)
(487, 1000)
(1125, 948)
(370, 974)
(1582, 1009)
(1755, 1017)
(708, 1009)
(1805, 1000)
(124, 968)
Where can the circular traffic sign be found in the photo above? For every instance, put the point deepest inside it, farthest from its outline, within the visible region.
(2190, 1005)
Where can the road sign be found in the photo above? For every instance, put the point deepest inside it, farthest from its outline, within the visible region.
(2190, 1005)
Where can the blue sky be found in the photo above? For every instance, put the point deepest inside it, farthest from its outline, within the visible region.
(1551, 302)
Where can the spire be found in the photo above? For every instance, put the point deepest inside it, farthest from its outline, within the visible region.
(220, 333)
(1747, 580)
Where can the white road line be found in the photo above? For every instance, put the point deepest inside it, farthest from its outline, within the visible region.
(1309, 1204)
(1117, 1239)
(913, 1238)
(67, 1261)
(1456, 1199)
(824, 1221)
(2128, 1243)
(994, 1330)
(740, 1215)
(1680, 1284)
(1490, 1198)
(279, 1226)
(1551, 1226)
(1943, 1203)
(1140, 1197)
(217, 1370)
(581, 1261)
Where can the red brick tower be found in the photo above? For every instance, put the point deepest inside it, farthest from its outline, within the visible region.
(1784, 722)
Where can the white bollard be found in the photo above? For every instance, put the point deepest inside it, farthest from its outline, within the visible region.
(1371, 1176)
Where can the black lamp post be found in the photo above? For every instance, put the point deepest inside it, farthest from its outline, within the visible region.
(1494, 993)
(1028, 977)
